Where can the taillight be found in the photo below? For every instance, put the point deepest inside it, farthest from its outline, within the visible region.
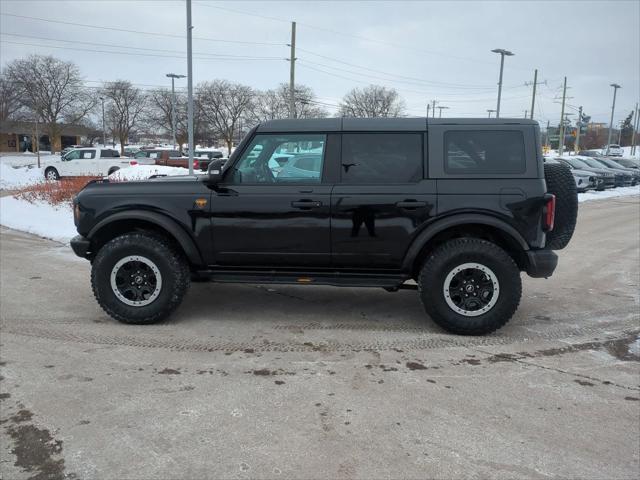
(550, 212)
(196, 165)
(133, 162)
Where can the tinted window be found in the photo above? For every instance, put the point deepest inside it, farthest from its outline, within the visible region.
(381, 157)
(478, 151)
(109, 153)
(276, 159)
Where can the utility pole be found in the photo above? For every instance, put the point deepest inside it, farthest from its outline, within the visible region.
(525, 113)
(490, 111)
(535, 84)
(502, 53)
(292, 73)
(173, 77)
(433, 109)
(37, 145)
(104, 138)
(547, 139)
(620, 133)
(440, 108)
(561, 137)
(190, 88)
(428, 106)
(578, 130)
(636, 124)
(613, 108)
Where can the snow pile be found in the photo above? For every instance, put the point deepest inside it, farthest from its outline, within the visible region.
(11, 178)
(26, 159)
(613, 193)
(142, 172)
(38, 218)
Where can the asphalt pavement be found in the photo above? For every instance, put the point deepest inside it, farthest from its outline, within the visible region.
(260, 381)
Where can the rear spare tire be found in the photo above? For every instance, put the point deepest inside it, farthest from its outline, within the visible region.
(560, 182)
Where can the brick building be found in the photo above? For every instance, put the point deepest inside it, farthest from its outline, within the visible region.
(16, 136)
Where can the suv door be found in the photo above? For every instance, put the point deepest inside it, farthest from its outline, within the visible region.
(381, 200)
(264, 214)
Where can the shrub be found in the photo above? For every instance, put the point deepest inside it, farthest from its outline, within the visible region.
(54, 193)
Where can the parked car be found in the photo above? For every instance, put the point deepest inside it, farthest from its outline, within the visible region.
(380, 211)
(614, 150)
(86, 162)
(205, 156)
(629, 162)
(584, 180)
(623, 178)
(131, 151)
(615, 165)
(574, 163)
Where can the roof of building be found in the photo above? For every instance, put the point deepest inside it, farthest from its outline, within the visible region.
(21, 127)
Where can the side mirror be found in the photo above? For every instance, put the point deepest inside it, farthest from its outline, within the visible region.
(215, 170)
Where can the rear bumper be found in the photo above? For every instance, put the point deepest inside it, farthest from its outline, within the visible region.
(541, 263)
(80, 245)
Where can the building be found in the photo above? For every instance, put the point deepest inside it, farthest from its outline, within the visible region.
(16, 136)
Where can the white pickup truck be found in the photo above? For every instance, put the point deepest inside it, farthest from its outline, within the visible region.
(87, 161)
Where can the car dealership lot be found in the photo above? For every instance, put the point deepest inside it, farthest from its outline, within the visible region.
(251, 381)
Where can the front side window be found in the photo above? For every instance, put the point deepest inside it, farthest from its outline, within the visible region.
(72, 155)
(484, 152)
(382, 157)
(294, 158)
(87, 154)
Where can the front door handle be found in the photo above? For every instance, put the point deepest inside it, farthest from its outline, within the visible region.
(306, 204)
(411, 204)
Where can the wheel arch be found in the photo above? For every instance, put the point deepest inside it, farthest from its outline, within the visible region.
(124, 222)
(466, 225)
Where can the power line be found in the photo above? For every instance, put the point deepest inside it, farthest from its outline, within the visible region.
(112, 45)
(337, 32)
(139, 32)
(211, 57)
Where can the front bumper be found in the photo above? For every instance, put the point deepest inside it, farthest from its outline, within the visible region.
(80, 245)
(541, 263)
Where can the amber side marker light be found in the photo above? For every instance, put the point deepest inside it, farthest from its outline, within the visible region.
(305, 280)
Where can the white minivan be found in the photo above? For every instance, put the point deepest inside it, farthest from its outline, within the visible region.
(88, 161)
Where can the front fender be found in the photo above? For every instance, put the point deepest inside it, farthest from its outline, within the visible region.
(166, 223)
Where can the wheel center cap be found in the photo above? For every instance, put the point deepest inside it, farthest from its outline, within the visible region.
(469, 288)
(138, 280)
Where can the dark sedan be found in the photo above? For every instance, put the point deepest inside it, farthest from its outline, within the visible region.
(615, 164)
(575, 163)
(623, 178)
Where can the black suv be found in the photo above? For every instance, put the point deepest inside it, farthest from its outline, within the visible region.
(461, 207)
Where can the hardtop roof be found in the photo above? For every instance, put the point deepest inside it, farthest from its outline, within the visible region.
(378, 124)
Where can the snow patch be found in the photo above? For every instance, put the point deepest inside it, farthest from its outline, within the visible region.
(39, 218)
(11, 177)
(613, 193)
(142, 172)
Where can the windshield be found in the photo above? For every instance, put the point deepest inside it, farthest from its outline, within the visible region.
(610, 163)
(575, 163)
(592, 162)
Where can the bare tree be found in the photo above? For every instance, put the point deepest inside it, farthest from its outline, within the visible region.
(274, 104)
(52, 89)
(126, 105)
(223, 105)
(372, 101)
(9, 98)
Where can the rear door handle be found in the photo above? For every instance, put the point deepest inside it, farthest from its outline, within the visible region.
(306, 204)
(411, 204)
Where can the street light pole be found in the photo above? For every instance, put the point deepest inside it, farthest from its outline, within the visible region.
(636, 123)
(173, 77)
(613, 108)
(190, 87)
(502, 53)
(104, 135)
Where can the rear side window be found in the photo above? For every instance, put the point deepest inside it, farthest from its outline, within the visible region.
(87, 154)
(484, 151)
(381, 157)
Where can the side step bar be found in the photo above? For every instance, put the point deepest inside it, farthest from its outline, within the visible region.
(391, 282)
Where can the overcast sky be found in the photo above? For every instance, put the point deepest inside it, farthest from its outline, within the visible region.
(425, 50)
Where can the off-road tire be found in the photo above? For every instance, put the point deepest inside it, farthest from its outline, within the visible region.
(53, 172)
(560, 182)
(171, 263)
(454, 253)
